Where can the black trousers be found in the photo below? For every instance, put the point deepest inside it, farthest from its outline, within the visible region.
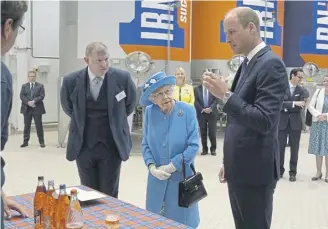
(38, 124)
(251, 205)
(294, 137)
(99, 168)
(207, 122)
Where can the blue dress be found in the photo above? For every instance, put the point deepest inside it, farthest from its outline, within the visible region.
(165, 138)
(319, 135)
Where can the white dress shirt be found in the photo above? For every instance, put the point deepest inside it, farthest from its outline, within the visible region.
(252, 53)
(92, 76)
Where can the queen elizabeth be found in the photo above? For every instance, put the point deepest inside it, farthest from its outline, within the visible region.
(170, 137)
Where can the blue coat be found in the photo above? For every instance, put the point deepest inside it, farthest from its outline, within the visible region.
(165, 138)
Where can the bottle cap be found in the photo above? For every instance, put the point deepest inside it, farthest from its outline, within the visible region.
(51, 182)
(40, 177)
(73, 191)
(62, 186)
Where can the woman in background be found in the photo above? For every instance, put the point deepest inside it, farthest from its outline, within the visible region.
(183, 92)
(318, 146)
(170, 141)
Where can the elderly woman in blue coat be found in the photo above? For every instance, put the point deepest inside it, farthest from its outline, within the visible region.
(170, 137)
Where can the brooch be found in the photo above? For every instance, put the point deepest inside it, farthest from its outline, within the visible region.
(180, 113)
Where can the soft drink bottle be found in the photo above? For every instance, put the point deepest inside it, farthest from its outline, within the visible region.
(50, 207)
(39, 198)
(61, 208)
(74, 218)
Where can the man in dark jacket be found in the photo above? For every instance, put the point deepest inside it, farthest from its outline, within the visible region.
(12, 13)
(32, 95)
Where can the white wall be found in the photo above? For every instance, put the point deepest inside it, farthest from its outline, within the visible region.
(45, 44)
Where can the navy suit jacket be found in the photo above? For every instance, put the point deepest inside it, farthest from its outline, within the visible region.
(38, 96)
(251, 147)
(6, 102)
(292, 115)
(73, 101)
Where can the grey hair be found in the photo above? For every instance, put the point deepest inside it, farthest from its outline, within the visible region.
(245, 16)
(99, 47)
(14, 10)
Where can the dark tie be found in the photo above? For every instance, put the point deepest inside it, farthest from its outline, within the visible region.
(32, 88)
(242, 72)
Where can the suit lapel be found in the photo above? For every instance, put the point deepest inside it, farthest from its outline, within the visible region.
(111, 85)
(200, 89)
(250, 66)
(81, 95)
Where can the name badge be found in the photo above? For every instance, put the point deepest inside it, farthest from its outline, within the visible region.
(120, 96)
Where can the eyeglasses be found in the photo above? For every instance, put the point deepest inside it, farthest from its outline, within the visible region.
(161, 95)
(21, 29)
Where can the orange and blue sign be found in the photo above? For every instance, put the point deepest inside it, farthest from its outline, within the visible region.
(154, 24)
(306, 38)
(208, 32)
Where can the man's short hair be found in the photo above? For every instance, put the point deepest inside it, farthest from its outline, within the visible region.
(294, 72)
(32, 71)
(247, 15)
(95, 46)
(14, 10)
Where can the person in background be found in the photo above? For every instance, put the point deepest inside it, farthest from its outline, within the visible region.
(170, 141)
(32, 95)
(98, 99)
(251, 148)
(182, 91)
(207, 114)
(12, 14)
(318, 145)
(290, 122)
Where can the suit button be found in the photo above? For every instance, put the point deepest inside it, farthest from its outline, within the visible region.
(164, 145)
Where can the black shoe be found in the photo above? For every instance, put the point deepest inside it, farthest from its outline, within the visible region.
(317, 177)
(281, 175)
(213, 153)
(42, 145)
(24, 145)
(292, 178)
(204, 153)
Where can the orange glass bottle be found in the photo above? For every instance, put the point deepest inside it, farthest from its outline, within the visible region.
(39, 198)
(62, 207)
(49, 207)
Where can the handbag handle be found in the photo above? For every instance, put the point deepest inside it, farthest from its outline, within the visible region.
(184, 167)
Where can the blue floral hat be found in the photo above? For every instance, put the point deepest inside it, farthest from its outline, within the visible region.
(152, 84)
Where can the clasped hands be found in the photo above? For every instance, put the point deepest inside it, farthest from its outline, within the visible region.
(31, 103)
(162, 172)
(322, 117)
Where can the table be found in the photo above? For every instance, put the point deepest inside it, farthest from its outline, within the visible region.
(95, 211)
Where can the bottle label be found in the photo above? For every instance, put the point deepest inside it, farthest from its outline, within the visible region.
(37, 216)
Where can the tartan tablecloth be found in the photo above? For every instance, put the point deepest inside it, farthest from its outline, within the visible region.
(95, 211)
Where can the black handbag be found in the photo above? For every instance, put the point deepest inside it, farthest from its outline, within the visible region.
(308, 116)
(191, 189)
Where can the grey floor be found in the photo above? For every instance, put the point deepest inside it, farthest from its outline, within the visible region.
(299, 205)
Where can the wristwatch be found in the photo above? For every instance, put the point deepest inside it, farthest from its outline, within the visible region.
(226, 96)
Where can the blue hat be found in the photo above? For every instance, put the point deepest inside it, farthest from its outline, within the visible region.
(152, 84)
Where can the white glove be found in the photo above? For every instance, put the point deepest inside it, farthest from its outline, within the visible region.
(169, 168)
(158, 173)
